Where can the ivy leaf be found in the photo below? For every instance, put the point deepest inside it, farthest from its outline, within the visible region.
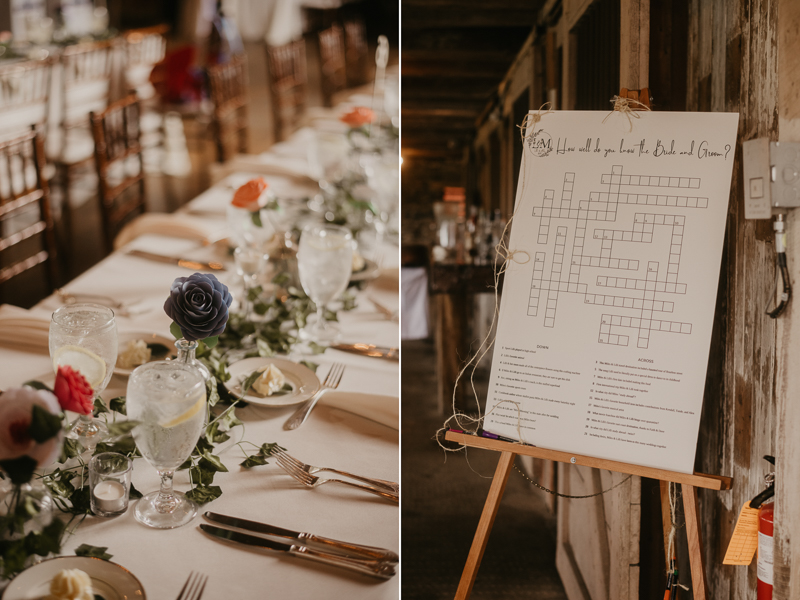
(310, 365)
(201, 475)
(175, 330)
(213, 463)
(204, 494)
(71, 449)
(253, 461)
(229, 419)
(212, 392)
(254, 292)
(281, 279)
(251, 379)
(214, 435)
(121, 427)
(80, 501)
(134, 494)
(47, 541)
(37, 385)
(44, 424)
(99, 406)
(211, 341)
(93, 551)
(125, 445)
(255, 217)
(316, 348)
(269, 449)
(19, 470)
(118, 404)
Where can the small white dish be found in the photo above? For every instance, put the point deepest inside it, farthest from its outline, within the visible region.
(370, 271)
(109, 580)
(149, 338)
(303, 380)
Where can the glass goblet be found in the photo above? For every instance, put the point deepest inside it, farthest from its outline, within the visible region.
(325, 263)
(84, 337)
(250, 263)
(168, 398)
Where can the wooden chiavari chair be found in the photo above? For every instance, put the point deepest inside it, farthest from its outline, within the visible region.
(120, 169)
(356, 53)
(288, 85)
(26, 226)
(228, 84)
(24, 96)
(332, 62)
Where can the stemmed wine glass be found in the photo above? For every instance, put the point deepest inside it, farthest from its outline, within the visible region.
(325, 263)
(168, 398)
(84, 337)
(250, 263)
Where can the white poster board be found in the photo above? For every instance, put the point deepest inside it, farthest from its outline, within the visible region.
(608, 304)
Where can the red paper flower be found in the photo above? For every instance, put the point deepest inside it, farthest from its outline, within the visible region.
(251, 195)
(358, 117)
(73, 391)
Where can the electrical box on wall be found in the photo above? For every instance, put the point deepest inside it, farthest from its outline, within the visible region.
(771, 177)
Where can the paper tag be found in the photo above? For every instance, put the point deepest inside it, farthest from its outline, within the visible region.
(766, 544)
(744, 542)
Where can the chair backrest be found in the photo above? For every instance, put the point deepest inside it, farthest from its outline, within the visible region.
(24, 96)
(356, 53)
(26, 226)
(144, 48)
(228, 82)
(86, 81)
(118, 155)
(332, 62)
(288, 85)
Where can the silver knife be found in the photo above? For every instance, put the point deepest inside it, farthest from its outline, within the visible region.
(369, 350)
(375, 568)
(181, 262)
(346, 548)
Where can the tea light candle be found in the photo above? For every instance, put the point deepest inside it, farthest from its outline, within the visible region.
(109, 496)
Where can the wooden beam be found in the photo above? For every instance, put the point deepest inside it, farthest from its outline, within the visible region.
(461, 113)
(423, 17)
(634, 44)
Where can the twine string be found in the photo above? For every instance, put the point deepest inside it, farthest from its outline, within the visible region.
(628, 107)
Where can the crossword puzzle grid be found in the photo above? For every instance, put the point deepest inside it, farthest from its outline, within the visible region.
(602, 206)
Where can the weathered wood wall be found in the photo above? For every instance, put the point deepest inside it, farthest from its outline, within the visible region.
(732, 66)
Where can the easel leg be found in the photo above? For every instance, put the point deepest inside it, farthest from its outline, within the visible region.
(690, 510)
(666, 518)
(485, 525)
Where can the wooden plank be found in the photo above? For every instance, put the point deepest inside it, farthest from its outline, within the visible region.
(690, 509)
(634, 43)
(666, 519)
(702, 480)
(485, 525)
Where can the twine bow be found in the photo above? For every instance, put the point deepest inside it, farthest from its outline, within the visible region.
(628, 107)
(532, 119)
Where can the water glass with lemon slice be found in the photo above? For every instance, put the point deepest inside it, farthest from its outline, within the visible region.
(168, 398)
(84, 337)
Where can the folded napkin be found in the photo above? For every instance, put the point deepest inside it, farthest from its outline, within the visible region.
(22, 329)
(381, 409)
(267, 163)
(176, 225)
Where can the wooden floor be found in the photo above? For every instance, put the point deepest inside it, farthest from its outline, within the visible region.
(442, 501)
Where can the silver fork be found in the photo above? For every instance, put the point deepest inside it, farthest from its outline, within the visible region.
(381, 483)
(309, 480)
(194, 587)
(331, 382)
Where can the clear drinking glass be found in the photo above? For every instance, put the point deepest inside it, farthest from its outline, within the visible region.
(110, 483)
(250, 263)
(325, 263)
(84, 337)
(168, 398)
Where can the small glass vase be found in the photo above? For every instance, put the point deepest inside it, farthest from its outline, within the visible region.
(186, 354)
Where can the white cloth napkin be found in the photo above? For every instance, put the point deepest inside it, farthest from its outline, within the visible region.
(381, 409)
(22, 329)
(173, 225)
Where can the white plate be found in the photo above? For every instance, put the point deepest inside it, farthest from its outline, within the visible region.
(149, 338)
(370, 271)
(109, 580)
(303, 380)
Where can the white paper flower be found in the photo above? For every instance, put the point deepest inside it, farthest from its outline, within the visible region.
(271, 380)
(16, 410)
(71, 584)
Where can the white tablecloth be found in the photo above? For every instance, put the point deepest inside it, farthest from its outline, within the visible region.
(331, 437)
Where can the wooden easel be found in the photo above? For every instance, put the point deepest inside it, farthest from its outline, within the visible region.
(509, 451)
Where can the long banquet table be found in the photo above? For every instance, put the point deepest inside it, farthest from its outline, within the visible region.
(162, 559)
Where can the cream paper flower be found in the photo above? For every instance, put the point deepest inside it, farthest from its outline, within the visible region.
(271, 380)
(71, 584)
(137, 353)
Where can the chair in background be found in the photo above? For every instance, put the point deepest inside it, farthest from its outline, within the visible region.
(332, 63)
(24, 96)
(120, 168)
(228, 84)
(85, 87)
(26, 226)
(356, 53)
(288, 86)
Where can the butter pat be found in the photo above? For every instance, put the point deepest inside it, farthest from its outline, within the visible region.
(271, 380)
(71, 584)
(137, 353)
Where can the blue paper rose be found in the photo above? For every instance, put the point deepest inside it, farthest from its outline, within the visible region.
(199, 305)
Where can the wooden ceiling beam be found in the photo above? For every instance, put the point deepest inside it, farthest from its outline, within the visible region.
(425, 17)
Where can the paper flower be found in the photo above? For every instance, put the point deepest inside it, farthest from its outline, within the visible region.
(198, 304)
(16, 435)
(358, 117)
(251, 195)
(73, 391)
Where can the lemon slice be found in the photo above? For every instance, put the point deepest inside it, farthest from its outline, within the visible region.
(86, 362)
(196, 408)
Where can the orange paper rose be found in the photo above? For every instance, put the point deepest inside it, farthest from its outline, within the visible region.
(250, 195)
(73, 391)
(358, 117)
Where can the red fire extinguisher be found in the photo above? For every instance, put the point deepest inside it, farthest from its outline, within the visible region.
(766, 510)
